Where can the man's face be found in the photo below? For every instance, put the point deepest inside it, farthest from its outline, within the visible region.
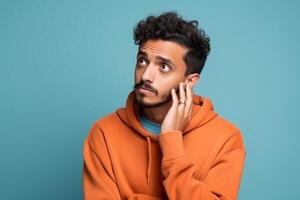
(159, 68)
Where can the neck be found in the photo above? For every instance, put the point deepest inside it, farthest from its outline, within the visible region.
(157, 114)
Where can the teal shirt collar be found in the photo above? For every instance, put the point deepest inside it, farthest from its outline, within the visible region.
(149, 125)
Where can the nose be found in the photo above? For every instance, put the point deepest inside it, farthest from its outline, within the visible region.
(148, 73)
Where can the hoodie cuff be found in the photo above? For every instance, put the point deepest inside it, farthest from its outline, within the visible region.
(171, 145)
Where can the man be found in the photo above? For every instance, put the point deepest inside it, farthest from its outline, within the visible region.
(167, 143)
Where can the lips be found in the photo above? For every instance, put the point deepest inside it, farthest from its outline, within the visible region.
(144, 90)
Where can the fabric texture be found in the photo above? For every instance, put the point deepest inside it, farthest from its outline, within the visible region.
(149, 125)
(122, 160)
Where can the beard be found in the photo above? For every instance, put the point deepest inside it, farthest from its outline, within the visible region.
(164, 99)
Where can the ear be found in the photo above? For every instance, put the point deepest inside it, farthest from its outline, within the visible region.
(192, 79)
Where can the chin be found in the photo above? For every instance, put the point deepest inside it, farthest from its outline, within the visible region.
(144, 101)
(148, 102)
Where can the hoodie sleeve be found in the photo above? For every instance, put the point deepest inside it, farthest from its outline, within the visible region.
(222, 181)
(98, 176)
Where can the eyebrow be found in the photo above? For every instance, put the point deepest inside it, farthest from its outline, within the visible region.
(166, 60)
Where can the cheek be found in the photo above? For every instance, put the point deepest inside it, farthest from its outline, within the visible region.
(167, 85)
(137, 75)
(171, 83)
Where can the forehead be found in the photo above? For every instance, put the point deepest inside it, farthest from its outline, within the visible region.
(166, 49)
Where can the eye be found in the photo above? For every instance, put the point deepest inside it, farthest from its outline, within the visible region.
(141, 61)
(165, 68)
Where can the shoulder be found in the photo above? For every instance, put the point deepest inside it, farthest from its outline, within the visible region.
(97, 127)
(107, 120)
(227, 132)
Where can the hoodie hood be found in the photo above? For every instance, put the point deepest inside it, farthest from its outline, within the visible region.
(202, 112)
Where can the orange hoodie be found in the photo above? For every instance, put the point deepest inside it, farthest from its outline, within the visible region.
(122, 160)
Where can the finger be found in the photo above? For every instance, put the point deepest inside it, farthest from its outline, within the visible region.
(173, 110)
(181, 106)
(182, 92)
(189, 100)
(174, 97)
(182, 98)
(191, 95)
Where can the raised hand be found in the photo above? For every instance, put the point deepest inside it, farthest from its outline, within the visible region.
(180, 112)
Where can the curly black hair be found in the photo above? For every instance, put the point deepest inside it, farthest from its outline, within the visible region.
(172, 27)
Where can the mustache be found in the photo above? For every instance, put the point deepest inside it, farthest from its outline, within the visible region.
(145, 85)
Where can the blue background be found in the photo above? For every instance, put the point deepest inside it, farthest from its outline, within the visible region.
(64, 64)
